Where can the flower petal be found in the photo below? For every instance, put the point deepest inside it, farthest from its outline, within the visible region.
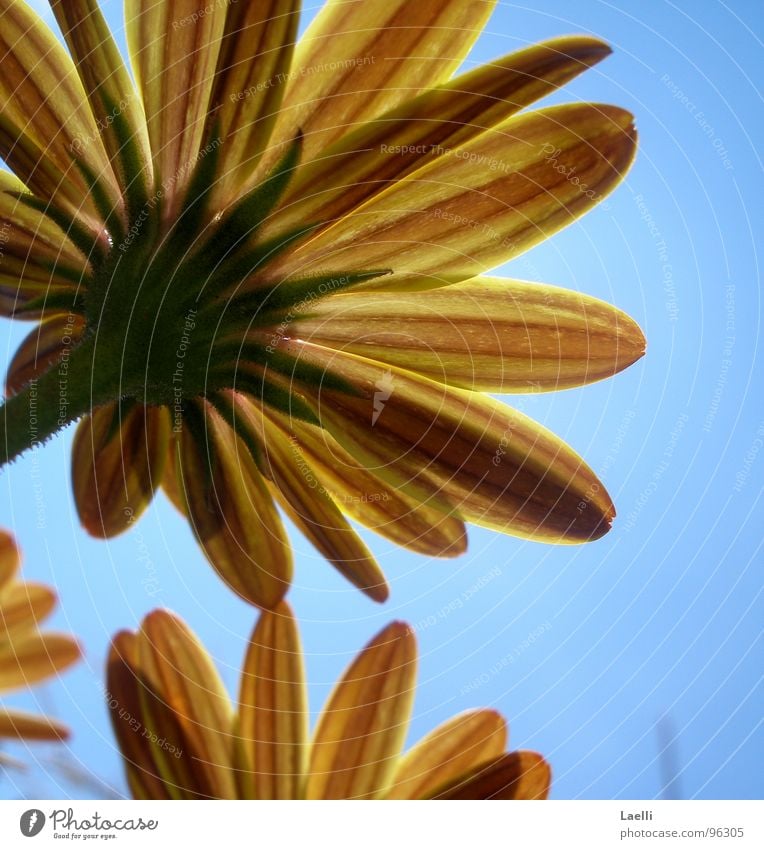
(23, 606)
(359, 59)
(448, 752)
(29, 726)
(387, 510)
(297, 489)
(273, 710)
(34, 658)
(117, 464)
(10, 560)
(483, 334)
(362, 728)
(174, 48)
(41, 349)
(363, 162)
(124, 682)
(480, 204)
(497, 467)
(517, 775)
(188, 687)
(41, 94)
(232, 512)
(252, 71)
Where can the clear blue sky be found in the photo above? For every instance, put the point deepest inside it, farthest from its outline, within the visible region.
(583, 649)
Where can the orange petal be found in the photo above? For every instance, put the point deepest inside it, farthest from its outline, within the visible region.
(22, 607)
(358, 60)
(483, 334)
(363, 162)
(174, 48)
(362, 728)
(496, 467)
(517, 775)
(480, 204)
(117, 463)
(10, 560)
(188, 691)
(42, 348)
(448, 752)
(232, 513)
(29, 726)
(387, 510)
(273, 710)
(34, 658)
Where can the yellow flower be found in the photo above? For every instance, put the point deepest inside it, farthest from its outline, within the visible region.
(182, 738)
(27, 656)
(261, 273)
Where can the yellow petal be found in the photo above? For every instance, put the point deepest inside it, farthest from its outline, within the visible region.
(376, 504)
(481, 204)
(232, 513)
(41, 349)
(252, 72)
(496, 467)
(34, 658)
(174, 48)
(22, 606)
(298, 491)
(358, 60)
(273, 712)
(189, 689)
(29, 726)
(41, 94)
(124, 682)
(363, 162)
(483, 334)
(362, 728)
(518, 775)
(117, 463)
(10, 560)
(448, 752)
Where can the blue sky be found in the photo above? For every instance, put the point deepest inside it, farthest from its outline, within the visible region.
(599, 654)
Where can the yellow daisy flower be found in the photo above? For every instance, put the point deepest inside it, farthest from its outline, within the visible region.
(27, 656)
(258, 276)
(181, 737)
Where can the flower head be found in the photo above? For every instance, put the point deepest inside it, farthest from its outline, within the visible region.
(258, 276)
(181, 737)
(27, 655)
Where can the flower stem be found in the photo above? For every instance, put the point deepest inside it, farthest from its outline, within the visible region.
(61, 395)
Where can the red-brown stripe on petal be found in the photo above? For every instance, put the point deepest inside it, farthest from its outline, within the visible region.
(517, 775)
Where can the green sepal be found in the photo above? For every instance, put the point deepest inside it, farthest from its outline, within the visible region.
(58, 302)
(111, 216)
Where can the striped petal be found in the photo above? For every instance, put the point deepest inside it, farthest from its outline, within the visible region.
(124, 682)
(496, 467)
(188, 691)
(385, 509)
(448, 753)
(42, 348)
(174, 48)
(518, 775)
(483, 203)
(296, 488)
(232, 512)
(362, 163)
(22, 607)
(360, 59)
(42, 96)
(29, 726)
(252, 72)
(273, 711)
(10, 561)
(34, 658)
(484, 334)
(362, 728)
(118, 458)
